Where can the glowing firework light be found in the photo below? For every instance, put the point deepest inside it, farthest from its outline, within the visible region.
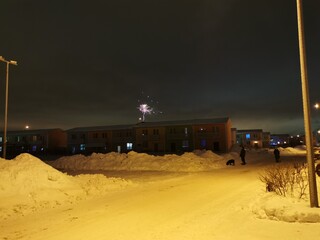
(145, 109)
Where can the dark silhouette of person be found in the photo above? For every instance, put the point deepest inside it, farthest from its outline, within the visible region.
(243, 156)
(276, 153)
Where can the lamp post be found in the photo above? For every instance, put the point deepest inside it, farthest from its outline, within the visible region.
(6, 104)
(306, 109)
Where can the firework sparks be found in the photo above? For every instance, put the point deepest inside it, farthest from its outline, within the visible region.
(145, 109)
(147, 106)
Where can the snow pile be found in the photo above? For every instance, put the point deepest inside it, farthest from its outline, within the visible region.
(274, 207)
(98, 184)
(289, 151)
(188, 162)
(27, 184)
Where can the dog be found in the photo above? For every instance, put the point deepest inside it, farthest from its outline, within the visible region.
(230, 162)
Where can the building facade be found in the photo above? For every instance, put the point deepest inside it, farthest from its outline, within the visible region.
(41, 141)
(253, 138)
(148, 137)
(154, 137)
(100, 139)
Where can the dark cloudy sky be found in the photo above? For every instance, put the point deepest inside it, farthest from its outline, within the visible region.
(88, 63)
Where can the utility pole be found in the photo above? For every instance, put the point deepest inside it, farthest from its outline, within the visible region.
(6, 104)
(306, 109)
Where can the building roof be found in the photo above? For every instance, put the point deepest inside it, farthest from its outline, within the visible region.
(150, 124)
(100, 128)
(183, 122)
(249, 130)
(31, 131)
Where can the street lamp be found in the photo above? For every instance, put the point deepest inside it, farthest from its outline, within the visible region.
(6, 104)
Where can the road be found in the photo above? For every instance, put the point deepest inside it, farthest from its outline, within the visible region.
(209, 205)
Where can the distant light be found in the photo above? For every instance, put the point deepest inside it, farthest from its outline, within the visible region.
(298, 135)
(27, 127)
(317, 106)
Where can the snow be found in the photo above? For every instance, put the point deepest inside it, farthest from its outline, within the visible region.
(140, 196)
(188, 162)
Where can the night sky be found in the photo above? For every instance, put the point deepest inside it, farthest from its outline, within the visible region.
(90, 63)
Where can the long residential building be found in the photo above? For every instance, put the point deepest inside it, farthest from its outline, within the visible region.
(149, 137)
(41, 141)
(153, 137)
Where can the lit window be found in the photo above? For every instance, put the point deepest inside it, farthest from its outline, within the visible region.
(0, 139)
(82, 147)
(248, 136)
(203, 143)
(129, 146)
(34, 148)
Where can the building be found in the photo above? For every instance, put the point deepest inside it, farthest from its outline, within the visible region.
(41, 141)
(282, 140)
(154, 137)
(149, 137)
(253, 138)
(184, 135)
(100, 139)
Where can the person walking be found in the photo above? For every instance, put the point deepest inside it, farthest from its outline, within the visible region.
(276, 153)
(243, 156)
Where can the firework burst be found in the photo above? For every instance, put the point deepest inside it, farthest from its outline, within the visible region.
(147, 109)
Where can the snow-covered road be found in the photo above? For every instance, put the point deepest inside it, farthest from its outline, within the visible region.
(208, 205)
(211, 201)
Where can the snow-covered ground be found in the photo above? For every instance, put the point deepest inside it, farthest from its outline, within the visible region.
(139, 196)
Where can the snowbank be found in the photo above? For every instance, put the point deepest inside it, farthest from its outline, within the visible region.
(287, 209)
(290, 151)
(27, 184)
(188, 162)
